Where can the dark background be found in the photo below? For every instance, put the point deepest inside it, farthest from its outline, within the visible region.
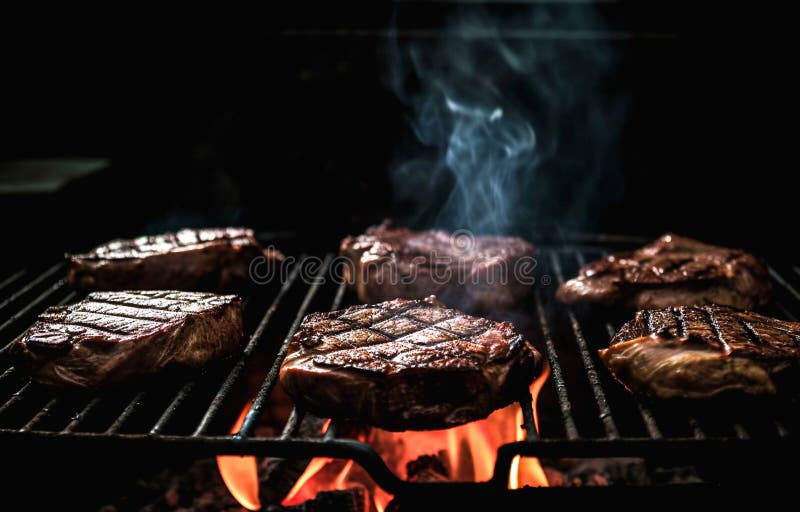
(282, 120)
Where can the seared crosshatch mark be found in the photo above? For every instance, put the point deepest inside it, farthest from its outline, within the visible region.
(83, 345)
(385, 373)
(717, 350)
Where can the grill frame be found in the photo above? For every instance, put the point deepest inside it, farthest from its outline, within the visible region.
(698, 446)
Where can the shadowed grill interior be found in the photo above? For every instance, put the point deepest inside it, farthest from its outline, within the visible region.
(583, 412)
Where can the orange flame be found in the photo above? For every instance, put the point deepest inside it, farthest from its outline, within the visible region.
(468, 450)
(240, 474)
(528, 470)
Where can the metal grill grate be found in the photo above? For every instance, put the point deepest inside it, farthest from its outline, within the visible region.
(583, 412)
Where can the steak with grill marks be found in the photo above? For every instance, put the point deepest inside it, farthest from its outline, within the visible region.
(482, 272)
(112, 337)
(407, 365)
(214, 260)
(699, 352)
(671, 271)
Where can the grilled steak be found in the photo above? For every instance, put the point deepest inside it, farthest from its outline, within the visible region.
(699, 352)
(215, 260)
(671, 271)
(112, 337)
(484, 272)
(407, 365)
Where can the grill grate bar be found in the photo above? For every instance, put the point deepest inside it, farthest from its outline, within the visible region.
(233, 375)
(570, 429)
(528, 421)
(182, 395)
(741, 432)
(34, 303)
(126, 413)
(248, 425)
(680, 317)
(78, 418)
(697, 431)
(16, 397)
(298, 414)
(6, 374)
(594, 379)
(33, 284)
(785, 284)
(40, 415)
(13, 277)
(46, 409)
(648, 419)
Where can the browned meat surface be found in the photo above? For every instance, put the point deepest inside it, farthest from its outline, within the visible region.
(483, 272)
(407, 365)
(215, 260)
(671, 271)
(699, 352)
(112, 337)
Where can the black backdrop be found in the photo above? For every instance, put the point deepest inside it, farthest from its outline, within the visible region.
(282, 120)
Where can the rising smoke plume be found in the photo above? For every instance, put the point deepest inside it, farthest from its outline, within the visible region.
(512, 121)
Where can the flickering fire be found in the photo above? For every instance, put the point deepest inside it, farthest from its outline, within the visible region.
(240, 474)
(468, 451)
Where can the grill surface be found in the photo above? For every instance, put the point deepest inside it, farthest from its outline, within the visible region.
(583, 412)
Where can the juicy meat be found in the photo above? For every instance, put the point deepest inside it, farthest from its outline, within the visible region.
(407, 365)
(111, 337)
(671, 271)
(483, 272)
(215, 260)
(699, 352)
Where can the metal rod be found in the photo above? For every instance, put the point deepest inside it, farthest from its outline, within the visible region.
(40, 415)
(77, 419)
(779, 278)
(13, 277)
(741, 432)
(7, 373)
(28, 287)
(788, 314)
(233, 375)
(697, 430)
(528, 421)
(126, 413)
(337, 299)
(187, 388)
(16, 397)
(180, 397)
(366, 456)
(570, 429)
(249, 423)
(293, 423)
(648, 419)
(594, 379)
(24, 311)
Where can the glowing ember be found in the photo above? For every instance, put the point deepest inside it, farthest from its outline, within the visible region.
(468, 452)
(240, 474)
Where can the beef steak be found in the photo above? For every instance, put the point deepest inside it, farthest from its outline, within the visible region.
(215, 260)
(699, 352)
(407, 365)
(111, 337)
(671, 271)
(483, 272)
